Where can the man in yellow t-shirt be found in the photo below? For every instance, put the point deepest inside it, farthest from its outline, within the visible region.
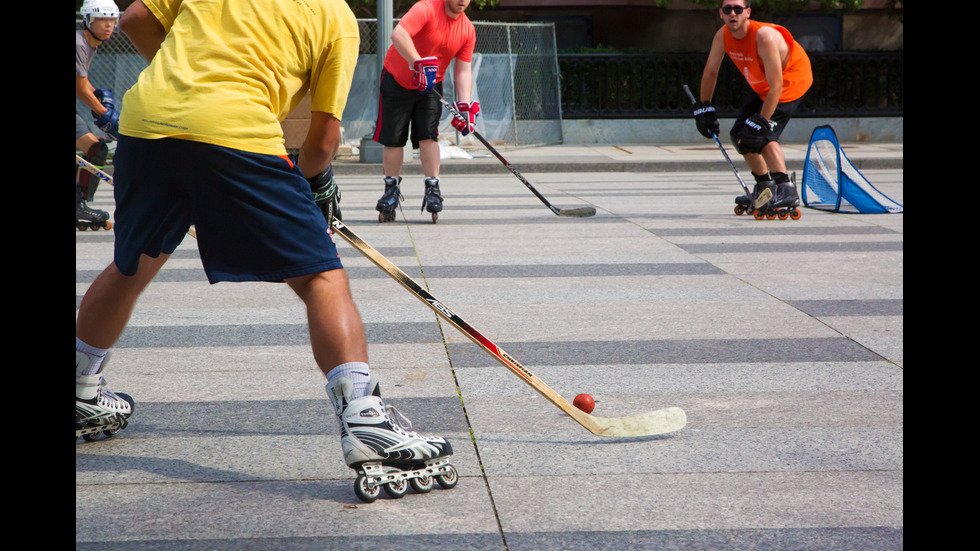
(201, 143)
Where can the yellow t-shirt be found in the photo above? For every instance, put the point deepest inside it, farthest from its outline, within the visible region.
(229, 71)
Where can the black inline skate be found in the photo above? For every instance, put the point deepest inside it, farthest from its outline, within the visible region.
(389, 202)
(432, 201)
(746, 205)
(784, 202)
(87, 218)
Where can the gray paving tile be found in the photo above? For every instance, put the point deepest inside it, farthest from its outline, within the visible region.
(673, 351)
(263, 334)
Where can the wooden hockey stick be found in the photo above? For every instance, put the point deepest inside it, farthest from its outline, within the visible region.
(645, 424)
(652, 423)
(765, 195)
(106, 177)
(580, 212)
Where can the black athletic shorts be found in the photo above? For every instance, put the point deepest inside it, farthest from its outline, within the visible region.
(399, 106)
(752, 104)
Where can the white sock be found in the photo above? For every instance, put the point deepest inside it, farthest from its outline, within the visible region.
(97, 355)
(359, 373)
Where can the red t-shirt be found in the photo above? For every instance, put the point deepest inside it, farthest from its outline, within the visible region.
(434, 34)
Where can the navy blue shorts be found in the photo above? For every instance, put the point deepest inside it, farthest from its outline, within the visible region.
(254, 214)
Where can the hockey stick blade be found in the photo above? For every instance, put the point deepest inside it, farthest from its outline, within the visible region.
(579, 212)
(763, 198)
(645, 424)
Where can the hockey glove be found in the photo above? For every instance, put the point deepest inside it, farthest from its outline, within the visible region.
(104, 95)
(753, 134)
(326, 194)
(707, 119)
(426, 70)
(466, 122)
(108, 122)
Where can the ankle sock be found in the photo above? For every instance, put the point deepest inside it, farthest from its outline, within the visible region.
(97, 355)
(359, 373)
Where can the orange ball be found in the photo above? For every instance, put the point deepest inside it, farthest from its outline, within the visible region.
(584, 402)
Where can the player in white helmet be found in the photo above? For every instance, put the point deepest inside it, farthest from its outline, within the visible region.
(100, 19)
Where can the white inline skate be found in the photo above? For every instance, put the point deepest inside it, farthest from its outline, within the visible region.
(378, 443)
(98, 410)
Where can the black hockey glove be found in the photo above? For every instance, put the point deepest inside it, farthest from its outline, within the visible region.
(706, 119)
(753, 135)
(326, 194)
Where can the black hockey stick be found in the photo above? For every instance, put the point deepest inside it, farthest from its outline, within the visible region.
(580, 212)
(765, 195)
(650, 423)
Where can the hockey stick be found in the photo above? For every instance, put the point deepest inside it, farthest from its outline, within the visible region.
(104, 176)
(652, 423)
(645, 424)
(765, 195)
(580, 212)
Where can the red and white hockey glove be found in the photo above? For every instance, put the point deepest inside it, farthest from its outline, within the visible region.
(426, 70)
(467, 119)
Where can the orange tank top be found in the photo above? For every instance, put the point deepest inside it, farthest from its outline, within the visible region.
(797, 77)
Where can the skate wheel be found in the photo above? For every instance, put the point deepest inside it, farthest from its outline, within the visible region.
(739, 210)
(448, 480)
(770, 216)
(422, 484)
(90, 437)
(363, 492)
(758, 215)
(783, 215)
(795, 214)
(396, 490)
(435, 217)
(107, 226)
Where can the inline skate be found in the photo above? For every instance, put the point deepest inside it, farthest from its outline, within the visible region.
(98, 410)
(379, 444)
(784, 204)
(389, 202)
(746, 205)
(432, 201)
(87, 218)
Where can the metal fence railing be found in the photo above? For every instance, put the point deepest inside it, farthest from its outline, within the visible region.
(610, 86)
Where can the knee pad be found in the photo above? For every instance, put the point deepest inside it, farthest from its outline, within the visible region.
(97, 155)
(745, 144)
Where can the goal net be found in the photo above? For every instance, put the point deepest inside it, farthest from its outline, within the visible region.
(831, 182)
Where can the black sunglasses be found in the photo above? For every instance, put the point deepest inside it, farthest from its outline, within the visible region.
(727, 10)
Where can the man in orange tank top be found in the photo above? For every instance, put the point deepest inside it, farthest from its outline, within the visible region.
(427, 38)
(778, 70)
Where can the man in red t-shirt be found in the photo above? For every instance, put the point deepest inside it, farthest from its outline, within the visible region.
(425, 41)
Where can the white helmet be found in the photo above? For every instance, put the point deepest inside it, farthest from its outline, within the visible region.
(92, 9)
